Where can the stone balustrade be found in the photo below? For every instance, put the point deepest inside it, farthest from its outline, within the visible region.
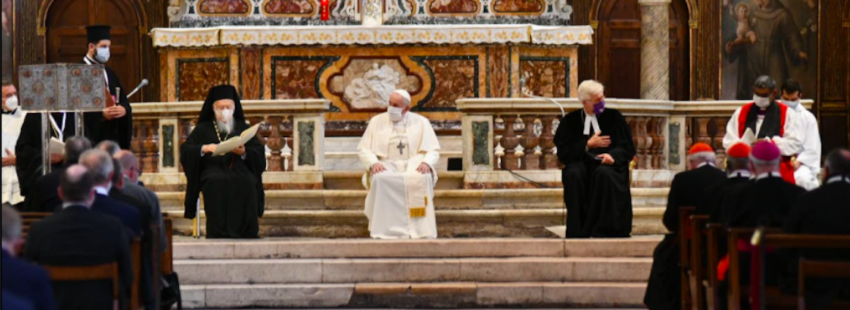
(517, 134)
(291, 130)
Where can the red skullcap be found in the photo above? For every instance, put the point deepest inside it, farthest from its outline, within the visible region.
(699, 148)
(739, 150)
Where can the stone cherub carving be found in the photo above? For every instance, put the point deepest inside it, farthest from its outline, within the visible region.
(373, 90)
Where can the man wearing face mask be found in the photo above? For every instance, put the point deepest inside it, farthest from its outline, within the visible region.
(13, 118)
(807, 165)
(769, 120)
(400, 152)
(595, 145)
(117, 123)
(232, 183)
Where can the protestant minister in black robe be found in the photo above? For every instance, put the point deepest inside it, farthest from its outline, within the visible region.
(232, 186)
(597, 196)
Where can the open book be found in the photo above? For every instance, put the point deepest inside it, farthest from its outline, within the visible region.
(749, 137)
(232, 143)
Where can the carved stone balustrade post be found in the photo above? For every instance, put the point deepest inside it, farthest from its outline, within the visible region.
(547, 144)
(510, 142)
(308, 153)
(529, 142)
(275, 143)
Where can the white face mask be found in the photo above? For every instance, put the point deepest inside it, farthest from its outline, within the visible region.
(226, 115)
(12, 103)
(395, 113)
(761, 102)
(792, 104)
(102, 54)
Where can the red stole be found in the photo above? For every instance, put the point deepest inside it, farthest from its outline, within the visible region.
(786, 166)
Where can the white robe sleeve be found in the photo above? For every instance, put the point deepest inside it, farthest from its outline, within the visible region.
(791, 143)
(367, 157)
(429, 145)
(811, 154)
(731, 136)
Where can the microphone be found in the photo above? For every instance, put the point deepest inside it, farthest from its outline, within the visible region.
(142, 84)
(524, 92)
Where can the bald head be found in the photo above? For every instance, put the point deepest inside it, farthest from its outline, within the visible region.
(76, 186)
(838, 163)
(129, 164)
(100, 165)
(110, 147)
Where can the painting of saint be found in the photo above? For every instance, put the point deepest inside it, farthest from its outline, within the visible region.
(8, 42)
(768, 37)
(440, 7)
(518, 6)
(224, 7)
(289, 7)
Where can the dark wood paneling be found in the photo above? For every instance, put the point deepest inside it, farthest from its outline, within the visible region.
(834, 78)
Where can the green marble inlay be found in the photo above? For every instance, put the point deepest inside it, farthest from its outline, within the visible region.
(480, 145)
(168, 146)
(306, 156)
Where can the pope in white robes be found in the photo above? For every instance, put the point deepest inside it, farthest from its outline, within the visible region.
(807, 166)
(400, 152)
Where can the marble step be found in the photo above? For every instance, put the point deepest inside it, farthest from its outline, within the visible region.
(301, 248)
(389, 270)
(450, 223)
(411, 295)
(444, 199)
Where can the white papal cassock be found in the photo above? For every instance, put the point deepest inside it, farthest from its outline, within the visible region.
(400, 203)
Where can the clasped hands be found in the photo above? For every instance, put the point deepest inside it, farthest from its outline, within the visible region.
(114, 112)
(210, 148)
(379, 168)
(598, 141)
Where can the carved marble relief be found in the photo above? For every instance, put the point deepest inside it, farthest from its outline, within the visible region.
(546, 76)
(480, 148)
(453, 78)
(295, 77)
(197, 76)
(366, 83)
(224, 7)
(291, 8)
(252, 71)
(512, 7)
(306, 155)
(453, 7)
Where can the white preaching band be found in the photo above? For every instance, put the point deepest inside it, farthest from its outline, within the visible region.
(400, 151)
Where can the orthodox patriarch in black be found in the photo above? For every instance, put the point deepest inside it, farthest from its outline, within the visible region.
(231, 183)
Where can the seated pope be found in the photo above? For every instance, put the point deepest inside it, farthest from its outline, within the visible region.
(400, 151)
(231, 183)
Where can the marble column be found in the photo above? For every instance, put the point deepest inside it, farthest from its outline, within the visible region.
(655, 49)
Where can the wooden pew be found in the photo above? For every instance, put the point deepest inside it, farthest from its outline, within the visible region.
(735, 291)
(771, 297)
(29, 218)
(135, 255)
(696, 273)
(101, 272)
(684, 253)
(822, 269)
(714, 233)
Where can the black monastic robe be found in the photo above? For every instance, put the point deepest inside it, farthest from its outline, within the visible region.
(119, 130)
(232, 186)
(597, 197)
(686, 190)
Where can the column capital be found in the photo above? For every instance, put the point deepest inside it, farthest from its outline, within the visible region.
(654, 2)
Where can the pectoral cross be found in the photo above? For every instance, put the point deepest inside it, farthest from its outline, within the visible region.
(400, 148)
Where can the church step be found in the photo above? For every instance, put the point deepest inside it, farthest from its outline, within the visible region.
(534, 269)
(410, 295)
(444, 199)
(450, 223)
(187, 248)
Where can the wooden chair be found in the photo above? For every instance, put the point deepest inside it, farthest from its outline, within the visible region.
(100, 272)
(713, 232)
(822, 269)
(771, 297)
(684, 253)
(697, 272)
(29, 218)
(735, 289)
(136, 255)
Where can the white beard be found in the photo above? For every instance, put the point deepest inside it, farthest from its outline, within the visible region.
(225, 128)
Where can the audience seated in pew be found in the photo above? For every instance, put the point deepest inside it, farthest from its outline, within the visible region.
(134, 188)
(823, 211)
(21, 280)
(738, 176)
(78, 236)
(688, 188)
(43, 196)
(100, 165)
